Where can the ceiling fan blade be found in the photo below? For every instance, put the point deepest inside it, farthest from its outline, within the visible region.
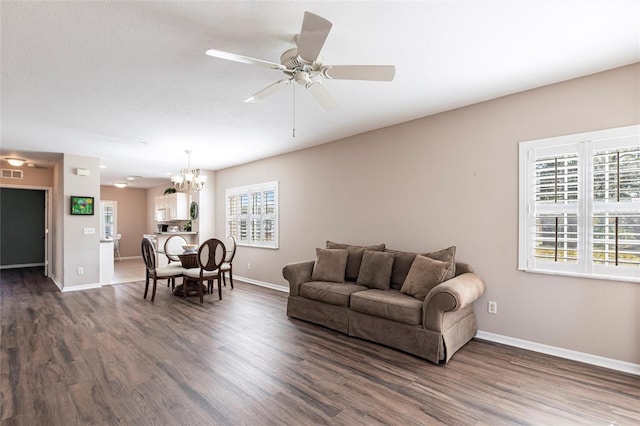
(269, 90)
(322, 95)
(360, 72)
(244, 59)
(315, 30)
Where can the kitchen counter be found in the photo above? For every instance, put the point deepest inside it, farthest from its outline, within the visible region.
(177, 233)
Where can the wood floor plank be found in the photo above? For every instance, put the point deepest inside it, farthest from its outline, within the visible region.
(108, 356)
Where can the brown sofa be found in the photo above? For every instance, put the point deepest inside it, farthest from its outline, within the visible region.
(420, 303)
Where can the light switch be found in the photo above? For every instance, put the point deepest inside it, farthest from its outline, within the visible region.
(89, 231)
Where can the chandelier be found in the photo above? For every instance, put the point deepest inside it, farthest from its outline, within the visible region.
(188, 178)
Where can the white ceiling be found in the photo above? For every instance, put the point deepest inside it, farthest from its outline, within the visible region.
(129, 81)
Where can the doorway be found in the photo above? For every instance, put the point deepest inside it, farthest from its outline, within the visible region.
(23, 228)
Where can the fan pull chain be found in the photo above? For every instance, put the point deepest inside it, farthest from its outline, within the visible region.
(294, 110)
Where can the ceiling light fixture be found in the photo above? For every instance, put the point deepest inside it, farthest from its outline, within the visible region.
(16, 162)
(188, 178)
(120, 184)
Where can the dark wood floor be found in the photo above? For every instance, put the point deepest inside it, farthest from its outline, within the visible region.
(107, 356)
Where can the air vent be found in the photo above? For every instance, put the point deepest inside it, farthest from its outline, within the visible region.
(11, 174)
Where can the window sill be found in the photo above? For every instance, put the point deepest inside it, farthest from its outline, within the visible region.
(579, 275)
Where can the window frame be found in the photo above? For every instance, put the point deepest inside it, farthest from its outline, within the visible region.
(104, 224)
(251, 216)
(586, 145)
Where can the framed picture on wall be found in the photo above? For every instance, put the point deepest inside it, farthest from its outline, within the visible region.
(82, 205)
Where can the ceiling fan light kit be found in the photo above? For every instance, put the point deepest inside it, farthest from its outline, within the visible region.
(303, 64)
(15, 162)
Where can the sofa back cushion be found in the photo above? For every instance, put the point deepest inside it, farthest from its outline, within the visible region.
(404, 260)
(354, 258)
(375, 270)
(425, 274)
(330, 265)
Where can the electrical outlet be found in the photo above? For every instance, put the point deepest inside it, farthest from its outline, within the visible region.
(248, 266)
(80, 271)
(492, 307)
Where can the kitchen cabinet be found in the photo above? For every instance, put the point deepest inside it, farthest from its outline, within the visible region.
(172, 207)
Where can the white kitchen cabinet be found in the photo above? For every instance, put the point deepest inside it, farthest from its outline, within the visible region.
(172, 207)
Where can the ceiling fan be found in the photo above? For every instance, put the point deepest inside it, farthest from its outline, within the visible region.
(303, 64)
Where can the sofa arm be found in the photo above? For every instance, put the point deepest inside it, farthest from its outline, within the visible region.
(297, 273)
(451, 295)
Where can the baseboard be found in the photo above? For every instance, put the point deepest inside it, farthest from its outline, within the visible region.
(117, 259)
(262, 284)
(21, 265)
(613, 364)
(56, 282)
(67, 289)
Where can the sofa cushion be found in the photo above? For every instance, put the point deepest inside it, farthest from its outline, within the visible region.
(388, 304)
(404, 259)
(446, 255)
(425, 273)
(330, 265)
(401, 264)
(375, 269)
(331, 293)
(355, 257)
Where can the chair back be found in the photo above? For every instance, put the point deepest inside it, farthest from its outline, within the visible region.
(230, 245)
(148, 255)
(173, 246)
(211, 254)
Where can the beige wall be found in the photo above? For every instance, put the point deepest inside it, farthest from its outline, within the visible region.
(32, 176)
(79, 250)
(452, 179)
(131, 216)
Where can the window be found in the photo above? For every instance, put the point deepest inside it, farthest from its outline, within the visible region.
(580, 205)
(108, 211)
(252, 214)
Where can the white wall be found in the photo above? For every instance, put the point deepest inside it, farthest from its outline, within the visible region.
(205, 224)
(452, 179)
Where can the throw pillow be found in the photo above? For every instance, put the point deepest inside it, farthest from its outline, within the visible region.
(375, 270)
(447, 255)
(330, 265)
(354, 259)
(401, 265)
(425, 273)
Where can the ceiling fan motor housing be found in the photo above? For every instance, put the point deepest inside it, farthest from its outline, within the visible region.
(292, 61)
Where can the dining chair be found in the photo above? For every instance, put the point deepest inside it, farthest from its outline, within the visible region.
(155, 273)
(211, 255)
(116, 245)
(173, 246)
(230, 245)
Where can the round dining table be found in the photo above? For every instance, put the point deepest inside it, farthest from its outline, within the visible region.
(189, 260)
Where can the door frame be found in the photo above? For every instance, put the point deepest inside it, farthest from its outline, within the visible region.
(48, 244)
